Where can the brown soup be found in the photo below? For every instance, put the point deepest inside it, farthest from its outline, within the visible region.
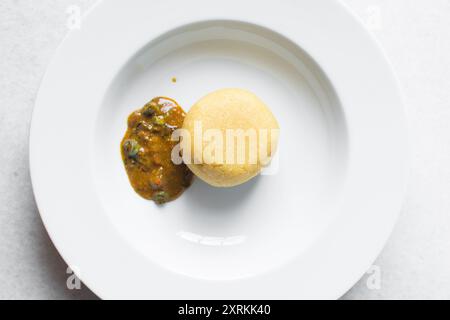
(147, 148)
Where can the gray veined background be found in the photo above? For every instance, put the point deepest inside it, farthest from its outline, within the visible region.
(416, 36)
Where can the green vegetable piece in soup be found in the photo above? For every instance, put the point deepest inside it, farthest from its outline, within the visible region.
(150, 109)
(131, 148)
(161, 197)
(159, 121)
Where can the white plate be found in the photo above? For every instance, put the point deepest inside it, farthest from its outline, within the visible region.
(307, 230)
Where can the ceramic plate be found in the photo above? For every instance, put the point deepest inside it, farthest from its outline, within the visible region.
(308, 228)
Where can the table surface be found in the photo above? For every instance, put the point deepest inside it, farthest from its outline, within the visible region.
(415, 264)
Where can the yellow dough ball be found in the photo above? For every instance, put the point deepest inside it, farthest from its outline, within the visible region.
(233, 135)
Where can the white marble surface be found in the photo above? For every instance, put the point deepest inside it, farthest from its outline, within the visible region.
(416, 36)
